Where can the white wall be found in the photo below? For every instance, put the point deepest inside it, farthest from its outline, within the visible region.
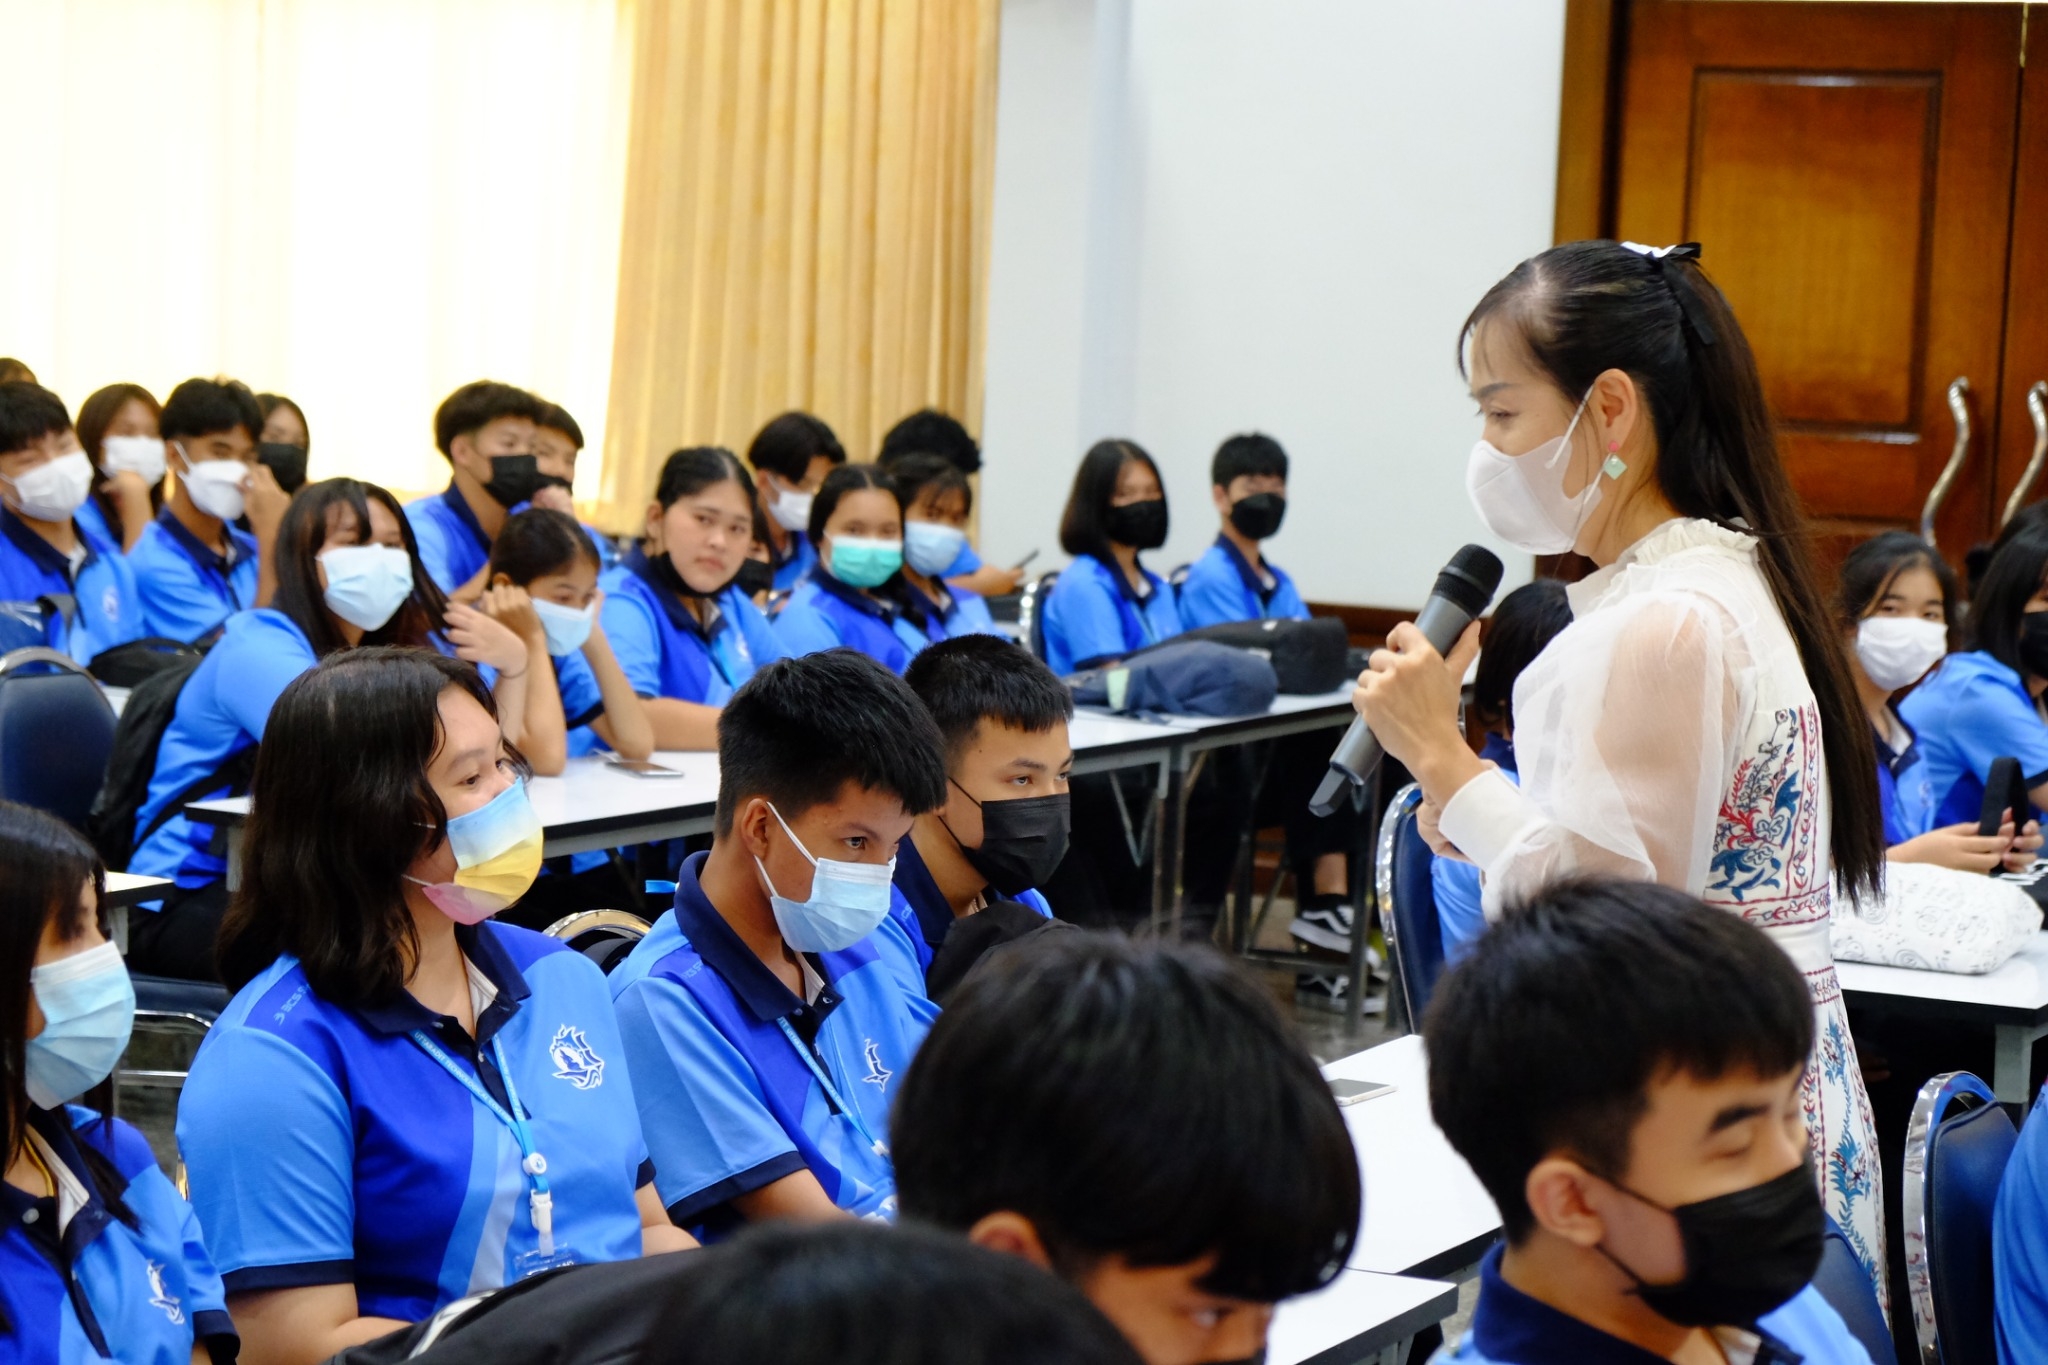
(1219, 215)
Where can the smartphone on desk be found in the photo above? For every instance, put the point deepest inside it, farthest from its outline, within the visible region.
(643, 767)
(1357, 1092)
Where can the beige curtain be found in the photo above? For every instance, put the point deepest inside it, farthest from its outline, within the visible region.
(806, 223)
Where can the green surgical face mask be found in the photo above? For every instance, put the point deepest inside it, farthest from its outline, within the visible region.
(860, 562)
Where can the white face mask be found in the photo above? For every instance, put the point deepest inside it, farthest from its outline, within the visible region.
(1521, 498)
(847, 902)
(52, 491)
(791, 508)
(215, 485)
(366, 584)
(567, 627)
(1896, 651)
(143, 455)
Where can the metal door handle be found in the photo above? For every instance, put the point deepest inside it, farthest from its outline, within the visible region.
(2037, 408)
(1936, 496)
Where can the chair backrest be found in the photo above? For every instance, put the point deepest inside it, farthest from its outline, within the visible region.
(1846, 1286)
(1957, 1145)
(1415, 937)
(603, 936)
(1031, 611)
(56, 730)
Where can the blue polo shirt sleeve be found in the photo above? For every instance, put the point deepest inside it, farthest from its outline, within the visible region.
(1213, 594)
(964, 563)
(707, 1123)
(261, 676)
(438, 552)
(1081, 620)
(109, 605)
(270, 1150)
(582, 698)
(180, 600)
(1986, 721)
(2019, 1246)
(634, 634)
(803, 626)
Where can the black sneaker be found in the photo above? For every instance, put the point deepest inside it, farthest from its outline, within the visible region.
(1327, 927)
(1316, 991)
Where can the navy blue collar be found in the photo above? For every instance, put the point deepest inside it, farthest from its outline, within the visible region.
(881, 608)
(1900, 760)
(198, 550)
(479, 943)
(1123, 585)
(1246, 573)
(54, 1127)
(679, 615)
(1510, 1327)
(47, 557)
(460, 505)
(744, 974)
(776, 559)
(921, 890)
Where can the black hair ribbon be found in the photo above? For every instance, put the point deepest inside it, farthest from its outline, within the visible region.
(1691, 308)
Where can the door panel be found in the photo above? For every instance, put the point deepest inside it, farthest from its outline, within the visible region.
(1848, 171)
(2026, 305)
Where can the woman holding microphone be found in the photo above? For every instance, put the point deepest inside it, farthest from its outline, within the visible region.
(1697, 724)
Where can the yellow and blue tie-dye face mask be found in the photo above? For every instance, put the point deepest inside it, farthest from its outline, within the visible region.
(497, 856)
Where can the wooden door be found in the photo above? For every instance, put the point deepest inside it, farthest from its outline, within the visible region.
(1848, 170)
(2026, 294)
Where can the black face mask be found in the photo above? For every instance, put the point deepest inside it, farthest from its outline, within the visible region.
(755, 577)
(1141, 525)
(1022, 840)
(2034, 643)
(541, 481)
(1746, 1253)
(513, 479)
(1258, 515)
(664, 571)
(287, 462)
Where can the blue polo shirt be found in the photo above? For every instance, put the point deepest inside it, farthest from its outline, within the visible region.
(99, 606)
(1510, 1328)
(1970, 711)
(1223, 586)
(930, 915)
(582, 701)
(962, 613)
(824, 613)
(188, 589)
(2019, 1245)
(1091, 614)
(221, 711)
(1903, 789)
(727, 1102)
(92, 518)
(791, 567)
(101, 1290)
(452, 542)
(326, 1146)
(665, 652)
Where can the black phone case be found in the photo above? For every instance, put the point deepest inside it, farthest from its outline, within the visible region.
(2004, 789)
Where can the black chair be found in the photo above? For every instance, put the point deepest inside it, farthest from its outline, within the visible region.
(1415, 936)
(1845, 1284)
(1957, 1144)
(603, 936)
(1031, 611)
(56, 730)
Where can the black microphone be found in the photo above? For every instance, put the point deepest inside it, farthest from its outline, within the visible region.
(1461, 593)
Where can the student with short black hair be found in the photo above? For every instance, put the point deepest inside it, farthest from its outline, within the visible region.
(768, 1012)
(285, 441)
(1233, 581)
(194, 565)
(857, 1294)
(790, 457)
(1106, 604)
(485, 430)
(1623, 1068)
(931, 432)
(971, 869)
(61, 584)
(1138, 1118)
(856, 595)
(937, 501)
(117, 427)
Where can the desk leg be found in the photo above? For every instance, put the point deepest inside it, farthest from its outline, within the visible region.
(2015, 1044)
(117, 925)
(235, 858)
(1169, 824)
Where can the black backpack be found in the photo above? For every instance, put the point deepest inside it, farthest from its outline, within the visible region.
(132, 765)
(1309, 657)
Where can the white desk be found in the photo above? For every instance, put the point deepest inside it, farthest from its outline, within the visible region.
(1426, 1214)
(123, 890)
(2013, 1001)
(1358, 1317)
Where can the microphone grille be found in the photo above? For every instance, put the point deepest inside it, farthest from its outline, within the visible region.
(1471, 578)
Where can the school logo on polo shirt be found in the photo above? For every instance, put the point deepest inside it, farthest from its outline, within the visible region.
(110, 602)
(159, 1297)
(878, 1075)
(574, 1060)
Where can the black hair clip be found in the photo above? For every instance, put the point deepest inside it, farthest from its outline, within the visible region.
(1690, 306)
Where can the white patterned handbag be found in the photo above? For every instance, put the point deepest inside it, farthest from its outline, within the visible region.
(1936, 919)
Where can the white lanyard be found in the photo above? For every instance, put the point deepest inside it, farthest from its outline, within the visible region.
(532, 1162)
(879, 1148)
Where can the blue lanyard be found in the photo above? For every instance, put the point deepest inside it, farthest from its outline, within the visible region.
(880, 1149)
(532, 1162)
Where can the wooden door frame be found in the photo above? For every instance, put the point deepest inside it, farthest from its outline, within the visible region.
(1588, 133)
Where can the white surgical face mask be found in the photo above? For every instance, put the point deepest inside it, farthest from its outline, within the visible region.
(366, 584)
(567, 627)
(53, 491)
(791, 508)
(215, 485)
(143, 455)
(1896, 651)
(88, 1008)
(1521, 498)
(848, 900)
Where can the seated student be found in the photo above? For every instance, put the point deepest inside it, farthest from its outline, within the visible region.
(855, 595)
(1138, 1118)
(13, 371)
(61, 584)
(936, 501)
(856, 1294)
(686, 634)
(117, 427)
(1526, 620)
(285, 440)
(486, 432)
(100, 1259)
(557, 441)
(1233, 581)
(1620, 1064)
(443, 1104)
(348, 574)
(1003, 828)
(931, 432)
(767, 1012)
(1984, 704)
(194, 567)
(1106, 604)
(790, 458)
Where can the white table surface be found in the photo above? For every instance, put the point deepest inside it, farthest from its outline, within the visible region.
(1422, 1202)
(126, 888)
(1357, 1314)
(2020, 985)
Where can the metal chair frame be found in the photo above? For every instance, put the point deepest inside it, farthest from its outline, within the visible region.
(1405, 800)
(1930, 1109)
(1030, 629)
